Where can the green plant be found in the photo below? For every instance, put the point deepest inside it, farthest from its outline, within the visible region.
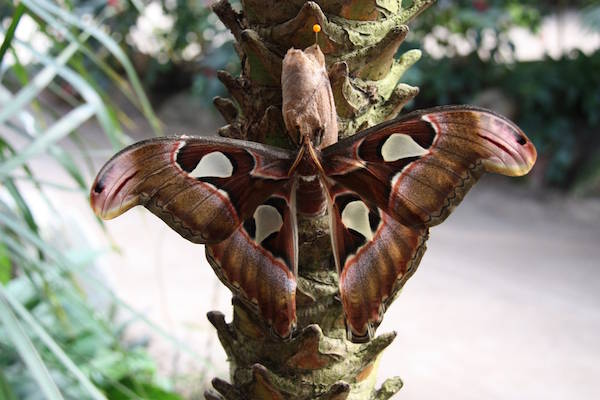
(176, 45)
(55, 342)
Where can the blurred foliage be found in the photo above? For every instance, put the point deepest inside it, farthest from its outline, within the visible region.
(591, 16)
(59, 332)
(500, 15)
(556, 101)
(174, 45)
(188, 44)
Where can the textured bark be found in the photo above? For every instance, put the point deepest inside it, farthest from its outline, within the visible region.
(360, 39)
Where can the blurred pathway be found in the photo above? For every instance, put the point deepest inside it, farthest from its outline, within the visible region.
(506, 303)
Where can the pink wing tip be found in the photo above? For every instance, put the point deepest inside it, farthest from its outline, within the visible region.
(529, 156)
(106, 201)
(512, 153)
(522, 154)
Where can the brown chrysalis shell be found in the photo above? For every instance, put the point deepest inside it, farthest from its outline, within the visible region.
(308, 105)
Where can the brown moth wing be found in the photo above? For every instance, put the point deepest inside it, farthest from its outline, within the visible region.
(201, 187)
(417, 168)
(308, 106)
(258, 261)
(374, 254)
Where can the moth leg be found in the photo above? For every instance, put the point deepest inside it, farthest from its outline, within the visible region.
(318, 136)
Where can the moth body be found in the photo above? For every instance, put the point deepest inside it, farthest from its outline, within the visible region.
(311, 121)
(382, 188)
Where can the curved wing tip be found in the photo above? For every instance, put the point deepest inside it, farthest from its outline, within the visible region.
(98, 203)
(97, 206)
(518, 158)
(531, 157)
(528, 153)
(526, 149)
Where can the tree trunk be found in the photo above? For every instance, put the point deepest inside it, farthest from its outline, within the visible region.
(360, 39)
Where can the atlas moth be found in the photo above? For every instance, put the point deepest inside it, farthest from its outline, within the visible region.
(382, 189)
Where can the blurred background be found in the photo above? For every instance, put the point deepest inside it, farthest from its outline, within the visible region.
(506, 304)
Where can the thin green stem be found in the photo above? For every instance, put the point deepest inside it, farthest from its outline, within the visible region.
(10, 33)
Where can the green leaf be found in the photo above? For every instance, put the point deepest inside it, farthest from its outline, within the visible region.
(53, 347)
(21, 204)
(39, 6)
(56, 132)
(10, 32)
(6, 392)
(5, 265)
(27, 351)
(144, 390)
(56, 66)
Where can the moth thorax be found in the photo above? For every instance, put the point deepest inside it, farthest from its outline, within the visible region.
(308, 106)
(311, 197)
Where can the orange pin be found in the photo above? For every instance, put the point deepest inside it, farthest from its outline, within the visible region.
(316, 30)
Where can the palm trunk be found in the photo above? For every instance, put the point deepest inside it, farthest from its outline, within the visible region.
(360, 39)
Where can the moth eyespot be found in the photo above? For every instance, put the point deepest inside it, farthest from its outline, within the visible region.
(99, 187)
(521, 140)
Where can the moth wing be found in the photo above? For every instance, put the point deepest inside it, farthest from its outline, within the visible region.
(259, 260)
(419, 167)
(374, 254)
(202, 187)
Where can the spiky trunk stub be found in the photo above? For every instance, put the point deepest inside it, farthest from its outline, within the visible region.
(360, 39)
